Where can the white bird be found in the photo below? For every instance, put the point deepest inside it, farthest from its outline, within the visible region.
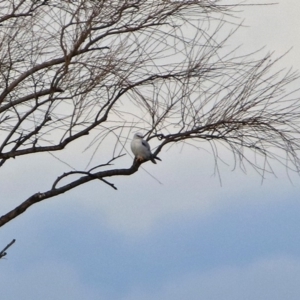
(141, 149)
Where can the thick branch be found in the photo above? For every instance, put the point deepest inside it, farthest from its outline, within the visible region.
(29, 97)
(38, 197)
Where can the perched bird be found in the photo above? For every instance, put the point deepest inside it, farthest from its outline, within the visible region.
(141, 149)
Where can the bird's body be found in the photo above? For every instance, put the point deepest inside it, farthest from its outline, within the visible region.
(141, 149)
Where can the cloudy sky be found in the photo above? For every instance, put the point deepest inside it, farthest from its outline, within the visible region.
(187, 237)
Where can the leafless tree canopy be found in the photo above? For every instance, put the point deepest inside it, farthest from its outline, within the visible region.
(73, 68)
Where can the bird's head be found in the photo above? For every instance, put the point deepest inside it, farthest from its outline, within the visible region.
(138, 135)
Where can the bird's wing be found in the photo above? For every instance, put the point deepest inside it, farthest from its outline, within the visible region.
(145, 144)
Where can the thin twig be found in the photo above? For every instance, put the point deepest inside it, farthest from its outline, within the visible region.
(3, 252)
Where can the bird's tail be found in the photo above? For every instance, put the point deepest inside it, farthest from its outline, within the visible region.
(153, 158)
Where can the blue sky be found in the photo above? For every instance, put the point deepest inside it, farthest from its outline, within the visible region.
(187, 238)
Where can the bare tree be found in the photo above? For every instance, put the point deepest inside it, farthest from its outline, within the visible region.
(69, 69)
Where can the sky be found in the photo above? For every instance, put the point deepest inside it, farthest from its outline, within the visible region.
(187, 237)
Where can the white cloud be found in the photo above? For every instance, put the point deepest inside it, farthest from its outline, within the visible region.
(274, 27)
(47, 281)
(273, 278)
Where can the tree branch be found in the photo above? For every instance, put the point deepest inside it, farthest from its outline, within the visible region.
(3, 253)
(38, 197)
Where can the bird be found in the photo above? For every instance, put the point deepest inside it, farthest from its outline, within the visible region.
(141, 149)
